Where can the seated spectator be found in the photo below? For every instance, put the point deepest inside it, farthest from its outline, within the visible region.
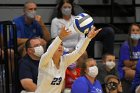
(28, 65)
(112, 84)
(87, 83)
(129, 55)
(106, 67)
(65, 16)
(136, 80)
(77, 8)
(30, 25)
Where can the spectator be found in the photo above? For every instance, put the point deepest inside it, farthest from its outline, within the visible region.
(65, 16)
(112, 84)
(53, 63)
(87, 83)
(30, 25)
(107, 67)
(28, 65)
(129, 55)
(77, 8)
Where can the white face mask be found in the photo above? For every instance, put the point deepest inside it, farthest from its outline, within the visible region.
(110, 64)
(39, 50)
(31, 14)
(66, 11)
(93, 71)
(135, 36)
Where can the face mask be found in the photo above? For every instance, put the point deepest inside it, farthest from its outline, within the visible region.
(39, 50)
(135, 36)
(66, 11)
(93, 71)
(110, 65)
(31, 14)
(72, 66)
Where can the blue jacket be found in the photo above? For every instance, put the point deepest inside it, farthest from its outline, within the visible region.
(83, 85)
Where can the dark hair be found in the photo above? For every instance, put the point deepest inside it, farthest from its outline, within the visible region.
(130, 27)
(59, 13)
(49, 43)
(28, 43)
(130, 42)
(84, 66)
(107, 54)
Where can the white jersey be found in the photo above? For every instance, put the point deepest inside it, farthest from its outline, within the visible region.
(50, 78)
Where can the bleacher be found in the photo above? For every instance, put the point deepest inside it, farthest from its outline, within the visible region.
(116, 13)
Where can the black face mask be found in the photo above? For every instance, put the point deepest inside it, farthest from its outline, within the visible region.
(112, 86)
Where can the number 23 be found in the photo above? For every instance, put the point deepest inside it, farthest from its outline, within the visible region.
(56, 81)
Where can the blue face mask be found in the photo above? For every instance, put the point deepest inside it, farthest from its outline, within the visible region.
(135, 36)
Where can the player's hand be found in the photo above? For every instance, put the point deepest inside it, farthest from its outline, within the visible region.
(93, 32)
(64, 33)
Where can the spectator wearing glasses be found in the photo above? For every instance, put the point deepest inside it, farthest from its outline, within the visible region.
(28, 65)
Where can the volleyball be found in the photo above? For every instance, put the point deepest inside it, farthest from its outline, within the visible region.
(83, 23)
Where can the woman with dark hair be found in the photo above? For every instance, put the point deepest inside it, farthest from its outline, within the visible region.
(87, 83)
(53, 63)
(129, 55)
(65, 16)
(60, 8)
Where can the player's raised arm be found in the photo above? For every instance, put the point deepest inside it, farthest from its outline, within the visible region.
(72, 57)
(53, 47)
